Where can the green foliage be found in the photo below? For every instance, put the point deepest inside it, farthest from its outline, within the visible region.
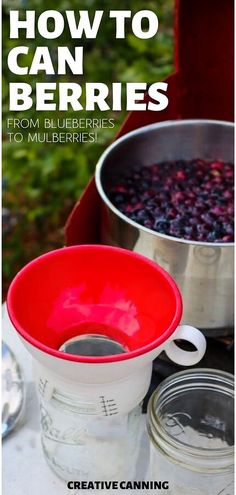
(44, 180)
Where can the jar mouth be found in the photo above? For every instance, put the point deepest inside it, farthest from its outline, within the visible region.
(199, 439)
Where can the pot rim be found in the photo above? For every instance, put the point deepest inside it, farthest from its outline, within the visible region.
(136, 132)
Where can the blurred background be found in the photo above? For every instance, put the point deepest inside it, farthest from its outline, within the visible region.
(41, 182)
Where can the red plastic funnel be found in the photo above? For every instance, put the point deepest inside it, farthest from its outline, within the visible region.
(98, 290)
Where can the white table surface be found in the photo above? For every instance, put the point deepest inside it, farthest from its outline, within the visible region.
(25, 471)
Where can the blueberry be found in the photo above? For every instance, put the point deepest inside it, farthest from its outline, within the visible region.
(229, 229)
(132, 200)
(118, 198)
(148, 223)
(193, 221)
(142, 215)
(211, 237)
(207, 218)
(161, 225)
(189, 230)
(203, 228)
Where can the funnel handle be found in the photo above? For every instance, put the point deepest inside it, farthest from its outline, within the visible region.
(186, 358)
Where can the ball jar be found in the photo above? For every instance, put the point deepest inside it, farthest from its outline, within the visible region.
(190, 426)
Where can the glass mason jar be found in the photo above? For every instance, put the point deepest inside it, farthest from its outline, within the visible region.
(190, 425)
(82, 446)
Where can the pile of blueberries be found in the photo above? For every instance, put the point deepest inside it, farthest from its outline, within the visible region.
(191, 200)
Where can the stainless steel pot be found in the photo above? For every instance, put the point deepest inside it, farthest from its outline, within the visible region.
(202, 270)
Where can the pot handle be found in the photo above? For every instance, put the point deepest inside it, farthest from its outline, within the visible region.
(186, 358)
